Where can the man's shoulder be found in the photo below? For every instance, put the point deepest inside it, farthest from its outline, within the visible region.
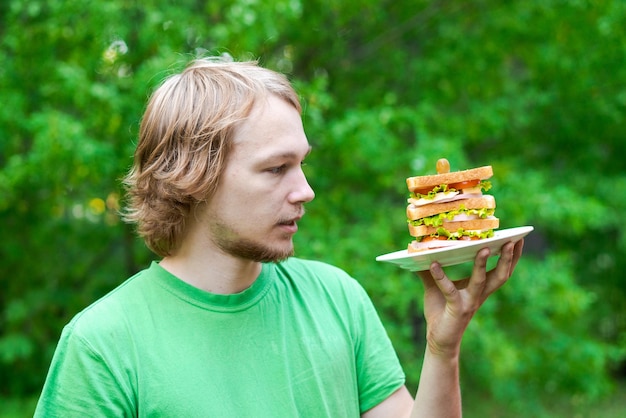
(319, 274)
(110, 310)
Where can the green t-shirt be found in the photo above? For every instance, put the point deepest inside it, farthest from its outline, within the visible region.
(303, 341)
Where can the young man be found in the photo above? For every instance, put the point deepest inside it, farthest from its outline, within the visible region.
(228, 323)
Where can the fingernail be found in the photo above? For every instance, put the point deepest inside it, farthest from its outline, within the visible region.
(435, 269)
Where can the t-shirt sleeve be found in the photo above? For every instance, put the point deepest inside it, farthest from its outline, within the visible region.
(379, 372)
(80, 383)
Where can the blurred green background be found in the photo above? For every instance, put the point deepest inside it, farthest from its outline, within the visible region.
(535, 88)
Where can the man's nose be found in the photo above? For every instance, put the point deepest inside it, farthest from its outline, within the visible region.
(302, 192)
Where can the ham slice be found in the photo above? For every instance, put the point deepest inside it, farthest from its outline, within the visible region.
(443, 197)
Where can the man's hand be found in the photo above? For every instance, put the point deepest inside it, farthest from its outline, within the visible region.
(449, 306)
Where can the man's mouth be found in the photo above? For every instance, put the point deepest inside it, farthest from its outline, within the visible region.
(291, 224)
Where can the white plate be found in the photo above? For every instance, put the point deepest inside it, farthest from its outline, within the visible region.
(449, 256)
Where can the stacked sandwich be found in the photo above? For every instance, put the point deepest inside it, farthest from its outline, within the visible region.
(447, 208)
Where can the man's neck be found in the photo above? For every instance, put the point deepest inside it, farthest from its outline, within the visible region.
(213, 272)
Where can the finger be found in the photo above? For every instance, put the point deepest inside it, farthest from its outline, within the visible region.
(517, 254)
(448, 289)
(461, 283)
(501, 273)
(427, 279)
(478, 279)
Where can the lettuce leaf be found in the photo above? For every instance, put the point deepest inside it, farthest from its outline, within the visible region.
(438, 220)
(459, 233)
(485, 185)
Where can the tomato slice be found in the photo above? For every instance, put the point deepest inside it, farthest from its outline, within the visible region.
(464, 184)
(431, 238)
(423, 191)
(457, 186)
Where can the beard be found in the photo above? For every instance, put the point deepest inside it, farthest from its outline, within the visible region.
(227, 240)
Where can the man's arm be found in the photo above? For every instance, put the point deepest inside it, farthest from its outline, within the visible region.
(448, 308)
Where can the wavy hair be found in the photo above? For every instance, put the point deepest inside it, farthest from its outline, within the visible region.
(184, 141)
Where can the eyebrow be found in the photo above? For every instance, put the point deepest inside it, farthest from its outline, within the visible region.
(287, 154)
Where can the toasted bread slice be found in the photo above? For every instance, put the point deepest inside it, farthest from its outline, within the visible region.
(469, 225)
(417, 212)
(423, 182)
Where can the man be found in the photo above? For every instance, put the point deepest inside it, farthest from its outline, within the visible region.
(228, 323)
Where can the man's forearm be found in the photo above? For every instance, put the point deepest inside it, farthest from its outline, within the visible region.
(439, 392)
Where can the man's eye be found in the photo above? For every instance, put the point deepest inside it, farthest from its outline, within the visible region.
(278, 170)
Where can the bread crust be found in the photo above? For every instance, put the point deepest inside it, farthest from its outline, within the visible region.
(474, 224)
(422, 182)
(417, 212)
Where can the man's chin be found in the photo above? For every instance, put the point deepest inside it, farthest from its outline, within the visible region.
(270, 256)
(259, 252)
(276, 258)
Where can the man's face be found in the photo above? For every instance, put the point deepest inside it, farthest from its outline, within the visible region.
(254, 212)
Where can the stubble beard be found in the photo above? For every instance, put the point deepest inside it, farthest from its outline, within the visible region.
(228, 241)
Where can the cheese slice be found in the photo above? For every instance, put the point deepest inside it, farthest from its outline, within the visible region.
(439, 198)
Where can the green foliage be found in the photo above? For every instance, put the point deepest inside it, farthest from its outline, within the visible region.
(536, 89)
(561, 357)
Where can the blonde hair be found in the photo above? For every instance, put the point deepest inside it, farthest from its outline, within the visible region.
(184, 141)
